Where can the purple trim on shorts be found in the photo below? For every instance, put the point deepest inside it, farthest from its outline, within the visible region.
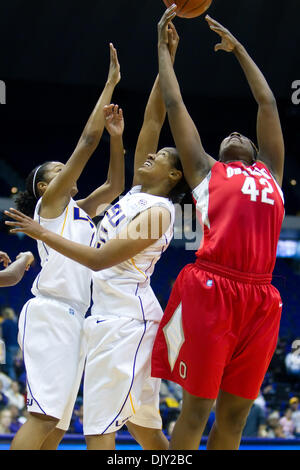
(134, 362)
(25, 362)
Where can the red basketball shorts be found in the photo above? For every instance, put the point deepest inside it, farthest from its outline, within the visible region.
(219, 331)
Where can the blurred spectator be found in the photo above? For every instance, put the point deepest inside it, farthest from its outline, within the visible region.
(23, 381)
(10, 334)
(274, 428)
(268, 386)
(294, 405)
(17, 418)
(5, 421)
(287, 424)
(260, 401)
(277, 363)
(256, 422)
(170, 397)
(292, 359)
(169, 388)
(78, 421)
(279, 434)
(3, 397)
(19, 366)
(6, 381)
(14, 396)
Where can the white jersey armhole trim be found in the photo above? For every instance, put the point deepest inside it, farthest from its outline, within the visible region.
(201, 194)
(61, 216)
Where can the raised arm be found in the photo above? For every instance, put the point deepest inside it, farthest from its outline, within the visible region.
(269, 133)
(12, 274)
(99, 199)
(195, 161)
(142, 232)
(155, 114)
(57, 194)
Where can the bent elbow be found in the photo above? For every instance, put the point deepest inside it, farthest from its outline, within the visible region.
(267, 99)
(95, 265)
(115, 189)
(90, 139)
(173, 102)
(119, 190)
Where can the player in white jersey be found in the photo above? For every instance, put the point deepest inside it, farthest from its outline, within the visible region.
(50, 324)
(120, 332)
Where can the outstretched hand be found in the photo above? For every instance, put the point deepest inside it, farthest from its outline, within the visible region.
(114, 121)
(23, 223)
(114, 74)
(163, 25)
(5, 259)
(229, 42)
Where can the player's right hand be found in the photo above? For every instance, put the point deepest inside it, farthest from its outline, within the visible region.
(114, 75)
(173, 40)
(4, 258)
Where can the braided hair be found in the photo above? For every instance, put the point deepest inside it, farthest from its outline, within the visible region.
(26, 200)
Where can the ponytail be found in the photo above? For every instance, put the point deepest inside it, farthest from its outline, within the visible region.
(26, 200)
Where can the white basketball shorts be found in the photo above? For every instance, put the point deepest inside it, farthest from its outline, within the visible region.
(117, 382)
(50, 336)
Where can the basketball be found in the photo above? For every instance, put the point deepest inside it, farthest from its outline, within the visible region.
(189, 8)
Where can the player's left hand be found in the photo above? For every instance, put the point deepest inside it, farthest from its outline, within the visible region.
(162, 27)
(173, 40)
(4, 258)
(23, 223)
(229, 42)
(114, 121)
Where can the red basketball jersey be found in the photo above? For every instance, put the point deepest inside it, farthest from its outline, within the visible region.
(241, 209)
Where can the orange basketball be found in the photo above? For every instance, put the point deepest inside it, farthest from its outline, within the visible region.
(189, 8)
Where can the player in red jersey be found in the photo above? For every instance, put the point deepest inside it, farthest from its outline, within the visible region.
(220, 327)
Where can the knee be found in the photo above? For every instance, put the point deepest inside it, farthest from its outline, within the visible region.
(46, 422)
(232, 421)
(197, 415)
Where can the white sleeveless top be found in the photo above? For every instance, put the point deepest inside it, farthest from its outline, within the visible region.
(61, 277)
(132, 277)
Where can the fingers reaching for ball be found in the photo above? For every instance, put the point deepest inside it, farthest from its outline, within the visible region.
(165, 20)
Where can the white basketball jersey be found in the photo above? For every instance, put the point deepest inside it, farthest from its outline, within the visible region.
(117, 289)
(61, 277)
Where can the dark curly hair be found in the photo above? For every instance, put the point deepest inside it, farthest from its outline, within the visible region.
(26, 200)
